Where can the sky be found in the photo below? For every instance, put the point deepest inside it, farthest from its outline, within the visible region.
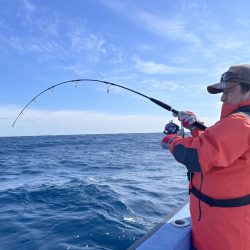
(168, 50)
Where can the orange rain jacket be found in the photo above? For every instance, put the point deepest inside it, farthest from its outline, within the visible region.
(220, 160)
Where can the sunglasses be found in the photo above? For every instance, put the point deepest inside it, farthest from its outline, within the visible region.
(227, 76)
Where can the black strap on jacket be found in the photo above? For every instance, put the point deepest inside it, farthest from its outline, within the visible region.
(234, 202)
(243, 109)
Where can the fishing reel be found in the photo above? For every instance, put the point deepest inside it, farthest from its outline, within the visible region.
(172, 128)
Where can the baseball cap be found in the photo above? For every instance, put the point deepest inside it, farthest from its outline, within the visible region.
(235, 75)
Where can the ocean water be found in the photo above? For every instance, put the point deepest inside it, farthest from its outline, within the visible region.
(85, 191)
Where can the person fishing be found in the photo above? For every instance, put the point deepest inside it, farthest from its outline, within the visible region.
(219, 160)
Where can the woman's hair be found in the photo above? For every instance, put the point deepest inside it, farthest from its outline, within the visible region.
(245, 87)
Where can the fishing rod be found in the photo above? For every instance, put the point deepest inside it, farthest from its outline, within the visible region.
(157, 102)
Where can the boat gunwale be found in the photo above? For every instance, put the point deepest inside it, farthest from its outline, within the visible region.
(167, 219)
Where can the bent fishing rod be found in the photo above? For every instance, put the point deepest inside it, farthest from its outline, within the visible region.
(157, 102)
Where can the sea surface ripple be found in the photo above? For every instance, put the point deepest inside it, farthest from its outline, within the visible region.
(85, 191)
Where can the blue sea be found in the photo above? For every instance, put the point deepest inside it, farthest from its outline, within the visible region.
(85, 191)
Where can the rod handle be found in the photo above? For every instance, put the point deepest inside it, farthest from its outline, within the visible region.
(176, 112)
(199, 125)
(161, 104)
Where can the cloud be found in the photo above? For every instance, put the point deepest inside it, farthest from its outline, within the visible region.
(230, 44)
(87, 44)
(150, 67)
(145, 47)
(243, 22)
(201, 34)
(36, 45)
(158, 24)
(159, 85)
(171, 29)
(60, 122)
(28, 5)
(45, 122)
(70, 43)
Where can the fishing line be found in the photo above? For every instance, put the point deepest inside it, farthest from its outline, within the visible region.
(76, 81)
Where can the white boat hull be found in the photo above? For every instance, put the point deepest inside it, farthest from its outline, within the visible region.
(174, 233)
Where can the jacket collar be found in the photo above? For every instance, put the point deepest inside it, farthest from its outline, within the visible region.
(228, 109)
